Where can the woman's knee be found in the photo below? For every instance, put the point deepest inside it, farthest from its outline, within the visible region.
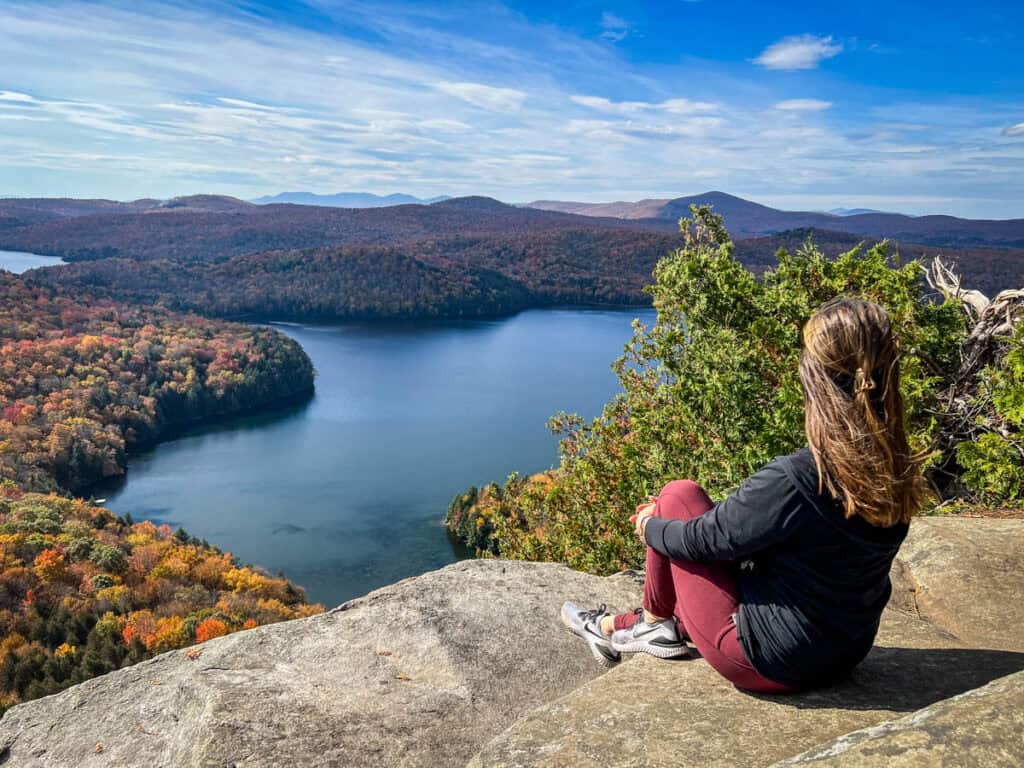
(695, 500)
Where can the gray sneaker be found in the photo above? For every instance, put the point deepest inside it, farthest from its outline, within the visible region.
(659, 639)
(586, 623)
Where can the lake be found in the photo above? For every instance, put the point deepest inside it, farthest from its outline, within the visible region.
(347, 492)
(18, 262)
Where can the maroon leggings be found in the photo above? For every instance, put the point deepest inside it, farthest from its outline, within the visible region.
(703, 596)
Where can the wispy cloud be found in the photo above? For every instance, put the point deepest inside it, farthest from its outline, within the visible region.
(798, 52)
(803, 105)
(21, 98)
(1014, 130)
(614, 28)
(485, 96)
(95, 116)
(673, 106)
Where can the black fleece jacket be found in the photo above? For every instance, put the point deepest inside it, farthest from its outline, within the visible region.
(812, 582)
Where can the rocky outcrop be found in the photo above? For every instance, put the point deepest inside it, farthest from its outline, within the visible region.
(983, 728)
(966, 575)
(955, 584)
(420, 673)
(470, 664)
(651, 713)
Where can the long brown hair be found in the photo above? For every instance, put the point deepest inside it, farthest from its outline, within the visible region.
(850, 374)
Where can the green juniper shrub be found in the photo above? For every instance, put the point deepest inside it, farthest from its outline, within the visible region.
(993, 464)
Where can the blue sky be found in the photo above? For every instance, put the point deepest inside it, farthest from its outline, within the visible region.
(916, 107)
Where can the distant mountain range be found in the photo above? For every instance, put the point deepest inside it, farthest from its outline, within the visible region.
(212, 228)
(347, 199)
(463, 256)
(141, 228)
(20, 211)
(744, 218)
(852, 211)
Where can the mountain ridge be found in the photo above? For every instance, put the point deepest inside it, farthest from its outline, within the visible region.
(212, 229)
(746, 218)
(347, 199)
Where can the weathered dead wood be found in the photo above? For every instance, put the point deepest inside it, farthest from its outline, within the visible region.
(967, 411)
(994, 319)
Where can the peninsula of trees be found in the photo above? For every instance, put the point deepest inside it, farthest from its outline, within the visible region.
(83, 379)
(83, 591)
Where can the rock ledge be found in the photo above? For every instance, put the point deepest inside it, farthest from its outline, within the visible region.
(469, 664)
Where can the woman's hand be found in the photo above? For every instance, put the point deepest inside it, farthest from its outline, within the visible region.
(644, 512)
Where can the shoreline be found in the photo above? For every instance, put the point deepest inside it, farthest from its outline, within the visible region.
(329, 321)
(174, 431)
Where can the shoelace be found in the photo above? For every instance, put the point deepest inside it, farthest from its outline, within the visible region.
(591, 615)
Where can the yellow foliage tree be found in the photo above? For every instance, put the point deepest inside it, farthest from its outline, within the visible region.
(50, 566)
(65, 649)
(170, 634)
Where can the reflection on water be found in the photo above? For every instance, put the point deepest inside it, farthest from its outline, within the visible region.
(347, 492)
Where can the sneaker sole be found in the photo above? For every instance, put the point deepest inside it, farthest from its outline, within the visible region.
(601, 658)
(661, 651)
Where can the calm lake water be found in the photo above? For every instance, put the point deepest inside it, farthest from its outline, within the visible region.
(348, 492)
(17, 262)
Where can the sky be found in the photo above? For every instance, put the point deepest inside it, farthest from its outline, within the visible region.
(915, 107)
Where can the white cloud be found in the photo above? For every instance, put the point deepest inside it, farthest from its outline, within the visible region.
(22, 98)
(803, 105)
(445, 126)
(615, 28)
(485, 96)
(798, 52)
(685, 106)
(245, 104)
(94, 116)
(1014, 130)
(673, 106)
(540, 157)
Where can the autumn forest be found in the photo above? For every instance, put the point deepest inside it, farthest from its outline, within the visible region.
(82, 591)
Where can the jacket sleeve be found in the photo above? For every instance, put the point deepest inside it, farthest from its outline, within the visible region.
(764, 511)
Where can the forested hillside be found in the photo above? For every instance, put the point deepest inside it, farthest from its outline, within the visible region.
(438, 277)
(457, 276)
(83, 592)
(749, 219)
(462, 257)
(190, 235)
(81, 380)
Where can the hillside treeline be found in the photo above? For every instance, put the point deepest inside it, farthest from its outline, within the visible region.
(466, 275)
(82, 591)
(196, 236)
(438, 277)
(82, 379)
(454, 276)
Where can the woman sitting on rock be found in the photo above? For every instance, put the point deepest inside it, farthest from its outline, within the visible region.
(781, 586)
